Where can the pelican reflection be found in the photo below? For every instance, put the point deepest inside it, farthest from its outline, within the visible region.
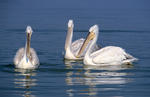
(24, 80)
(93, 80)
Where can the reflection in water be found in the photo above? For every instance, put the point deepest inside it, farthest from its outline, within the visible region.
(23, 80)
(92, 79)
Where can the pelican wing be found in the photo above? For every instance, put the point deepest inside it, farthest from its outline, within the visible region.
(109, 55)
(19, 55)
(76, 45)
(97, 47)
(33, 57)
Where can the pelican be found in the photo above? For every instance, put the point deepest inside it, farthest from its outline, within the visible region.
(109, 55)
(72, 49)
(26, 58)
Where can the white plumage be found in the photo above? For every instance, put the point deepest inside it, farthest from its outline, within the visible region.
(110, 55)
(26, 58)
(72, 48)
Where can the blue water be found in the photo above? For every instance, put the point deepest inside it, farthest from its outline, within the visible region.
(124, 23)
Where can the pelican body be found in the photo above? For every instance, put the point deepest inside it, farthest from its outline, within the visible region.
(72, 49)
(26, 58)
(109, 55)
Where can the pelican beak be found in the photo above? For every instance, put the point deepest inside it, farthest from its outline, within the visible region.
(28, 35)
(90, 37)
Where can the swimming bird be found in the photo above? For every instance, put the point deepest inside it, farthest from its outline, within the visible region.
(72, 49)
(26, 58)
(109, 55)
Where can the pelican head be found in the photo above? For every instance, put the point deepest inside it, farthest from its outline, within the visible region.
(93, 34)
(94, 29)
(29, 31)
(70, 24)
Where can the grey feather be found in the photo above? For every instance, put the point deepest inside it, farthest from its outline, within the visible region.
(20, 53)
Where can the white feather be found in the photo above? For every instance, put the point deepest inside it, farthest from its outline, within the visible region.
(21, 59)
(21, 62)
(110, 55)
(72, 48)
(70, 24)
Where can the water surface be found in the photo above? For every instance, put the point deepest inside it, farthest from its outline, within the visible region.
(122, 23)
